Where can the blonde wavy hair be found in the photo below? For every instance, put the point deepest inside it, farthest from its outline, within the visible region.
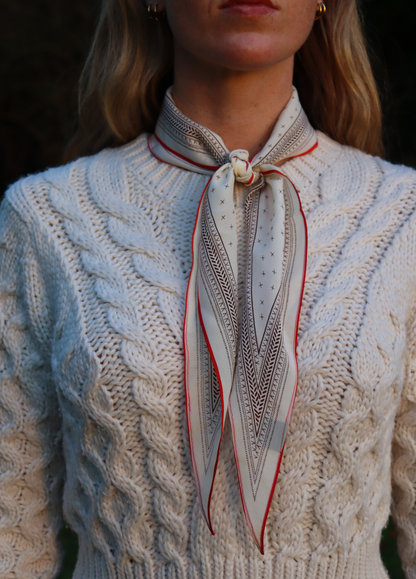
(130, 65)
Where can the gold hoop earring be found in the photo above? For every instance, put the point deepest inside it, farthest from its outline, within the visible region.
(153, 12)
(320, 11)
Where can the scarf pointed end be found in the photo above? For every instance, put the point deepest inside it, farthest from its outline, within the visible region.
(258, 539)
(207, 518)
(209, 525)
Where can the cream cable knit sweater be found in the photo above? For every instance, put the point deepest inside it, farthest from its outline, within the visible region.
(94, 261)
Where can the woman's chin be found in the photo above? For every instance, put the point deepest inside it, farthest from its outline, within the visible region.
(246, 56)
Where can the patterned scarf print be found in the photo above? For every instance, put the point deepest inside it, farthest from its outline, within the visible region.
(251, 373)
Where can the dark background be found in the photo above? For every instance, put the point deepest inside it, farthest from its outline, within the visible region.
(43, 44)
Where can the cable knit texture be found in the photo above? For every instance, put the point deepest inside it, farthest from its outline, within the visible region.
(94, 262)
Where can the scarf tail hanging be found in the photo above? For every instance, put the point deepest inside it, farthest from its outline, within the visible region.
(258, 481)
(190, 338)
(254, 377)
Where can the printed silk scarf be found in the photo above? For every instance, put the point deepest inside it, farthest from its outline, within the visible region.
(251, 373)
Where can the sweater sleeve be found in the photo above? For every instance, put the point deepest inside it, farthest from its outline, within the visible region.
(30, 457)
(404, 463)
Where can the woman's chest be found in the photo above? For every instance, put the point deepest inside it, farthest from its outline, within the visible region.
(122, 333)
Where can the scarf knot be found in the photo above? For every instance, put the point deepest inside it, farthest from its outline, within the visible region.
(243, 171)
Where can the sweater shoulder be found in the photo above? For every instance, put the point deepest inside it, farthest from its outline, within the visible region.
(29, 196)
(379, 197)
(345, 159)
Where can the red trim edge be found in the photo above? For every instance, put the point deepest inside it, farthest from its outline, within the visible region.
(209, 167)
(305, 153)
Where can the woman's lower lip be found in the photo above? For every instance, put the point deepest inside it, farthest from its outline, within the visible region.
(249, 9)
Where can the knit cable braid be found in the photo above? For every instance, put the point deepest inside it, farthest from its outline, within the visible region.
(95, 258)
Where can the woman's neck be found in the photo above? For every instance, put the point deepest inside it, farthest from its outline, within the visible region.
(240, 106)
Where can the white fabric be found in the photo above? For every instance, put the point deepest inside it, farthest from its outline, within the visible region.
(253, 376)
(94, 261)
